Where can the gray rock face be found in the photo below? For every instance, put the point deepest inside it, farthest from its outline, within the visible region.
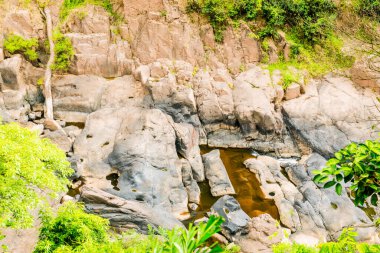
(192, 188)
(188, 146)
(172, 92)
(139, 145)
(216, 174)
(332, 114)
(303, 206)
(74, 97)
(236, 220)
(124, 214)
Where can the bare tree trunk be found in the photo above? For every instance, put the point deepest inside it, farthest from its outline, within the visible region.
(48, 72)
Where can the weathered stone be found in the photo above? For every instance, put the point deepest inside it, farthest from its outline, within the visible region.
(124, 215)
(92, 19)
(264, 232)
(74, 97)
(96, 55)
(293, 91)
(59, 138)
(216, 174)
(192, 188)
(142, 74)
(188, 146)
(332, 114)
(236, 220)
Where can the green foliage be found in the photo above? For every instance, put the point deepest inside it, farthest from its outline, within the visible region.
(310, 20)
(346, 244)
(64, 52)
(69, 5)
(288, 74)
(293, 248)
(72, 230)
(28, 165)
(370, 8)
(356, 163)
(16, 44)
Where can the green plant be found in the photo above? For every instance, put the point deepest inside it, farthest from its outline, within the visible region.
(370, 8)
(194, 239)
(71, 229)
(356, 163)
(17, 44)
(346, 244)
(64, 52)
(31, 170)
(293, 248)
(310, 20)
(69, 5)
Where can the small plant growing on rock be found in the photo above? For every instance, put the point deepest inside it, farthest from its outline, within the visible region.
(64, 52)
(358, 164)
(16, 44)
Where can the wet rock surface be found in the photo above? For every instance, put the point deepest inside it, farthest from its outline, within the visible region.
(216, 174)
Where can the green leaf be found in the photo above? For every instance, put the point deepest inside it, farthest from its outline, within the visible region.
(338, 155)
(329, 184)
(338, 189)
(339, 177)
(374, 199)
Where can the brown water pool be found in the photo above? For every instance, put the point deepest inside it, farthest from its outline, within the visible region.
(247, 187)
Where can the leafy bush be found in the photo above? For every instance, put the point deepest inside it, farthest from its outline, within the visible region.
(310, 20)
(16, 44)
(70, 5)
(356, 163)
(73, 230)
(346, 244)
(28, 165)
(293, 248)
(64, 52)
(370, 8)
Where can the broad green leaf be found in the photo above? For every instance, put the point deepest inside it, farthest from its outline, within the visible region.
(338, 189)
(329, 184)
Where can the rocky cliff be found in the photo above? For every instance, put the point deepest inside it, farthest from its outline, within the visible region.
(142, 95)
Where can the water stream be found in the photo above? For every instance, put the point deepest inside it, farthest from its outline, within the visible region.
(246, 185)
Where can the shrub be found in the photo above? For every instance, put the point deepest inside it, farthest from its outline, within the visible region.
(346, 244)
(293, 248)
(15, 44)
(70, 5)
(310, 20)
(28, 165)
(370, 8)
(72, 229)
(64, 52)
(356, 163)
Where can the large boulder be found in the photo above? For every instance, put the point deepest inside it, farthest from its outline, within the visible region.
(216, 174)
(332, 114)
(139, 145)
(123, 214)
(236, 220)
(172, 91)
(306, 208)
(18, 79)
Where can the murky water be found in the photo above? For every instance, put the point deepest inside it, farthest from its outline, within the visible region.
(247, 187)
